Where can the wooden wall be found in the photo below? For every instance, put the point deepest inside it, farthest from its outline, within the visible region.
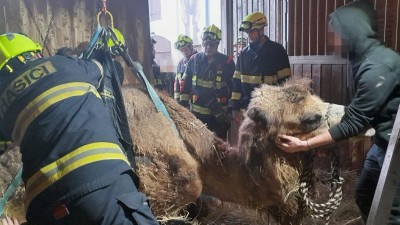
(328, 75)
(308, 19)
(329, 81)
(59, 23)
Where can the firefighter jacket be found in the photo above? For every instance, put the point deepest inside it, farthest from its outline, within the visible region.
(180, 70)
(52, 110)
(207, 85)
(267, 65)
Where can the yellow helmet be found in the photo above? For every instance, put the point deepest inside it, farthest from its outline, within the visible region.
(255, 20)
(13, 44)
(183, 41)
(212, 33)
(119, 40)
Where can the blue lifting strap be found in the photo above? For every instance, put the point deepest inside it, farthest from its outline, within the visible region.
(154, 97)
(10, 190)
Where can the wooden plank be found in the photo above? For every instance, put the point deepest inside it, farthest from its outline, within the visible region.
(336, 84)
(305, 37)
(307, 71)
(313, 25)
(316, 78)
(291, 28)
(329, 59)
(326, 73)
(297, 70)
(388, 179)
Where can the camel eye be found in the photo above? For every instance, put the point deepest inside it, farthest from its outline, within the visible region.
(310, 121)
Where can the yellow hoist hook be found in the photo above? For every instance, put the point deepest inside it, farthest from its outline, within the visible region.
(105, 13)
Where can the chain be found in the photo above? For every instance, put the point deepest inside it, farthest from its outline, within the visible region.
(45, 37)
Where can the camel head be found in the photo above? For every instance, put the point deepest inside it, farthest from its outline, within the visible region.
(288, 109)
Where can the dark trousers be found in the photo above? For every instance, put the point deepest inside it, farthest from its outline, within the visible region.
(118, 204)
(368, 180)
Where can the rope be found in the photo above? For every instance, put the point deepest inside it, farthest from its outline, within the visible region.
(320, 210)
(306, 205)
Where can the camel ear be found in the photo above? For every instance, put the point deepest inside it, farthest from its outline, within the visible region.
(257, 115)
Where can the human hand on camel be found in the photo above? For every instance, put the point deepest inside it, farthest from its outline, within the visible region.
(291, 144)
(9, 221)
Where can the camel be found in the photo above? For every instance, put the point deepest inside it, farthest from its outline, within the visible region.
(176, 165)
(256, 173)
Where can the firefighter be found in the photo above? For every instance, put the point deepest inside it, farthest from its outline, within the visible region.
(261, 62)
(74, 168)
(185, 45)
(207, 83)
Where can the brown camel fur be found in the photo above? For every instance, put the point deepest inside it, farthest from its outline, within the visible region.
(174, 168)
(257, 173)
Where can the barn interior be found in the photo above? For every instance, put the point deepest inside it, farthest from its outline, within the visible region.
(300, 26)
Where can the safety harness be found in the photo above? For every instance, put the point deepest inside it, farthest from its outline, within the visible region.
(111, 89)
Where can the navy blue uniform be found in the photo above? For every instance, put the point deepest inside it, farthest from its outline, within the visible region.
(69, 147)
(178, 84)
(208, 87)
(267, 65)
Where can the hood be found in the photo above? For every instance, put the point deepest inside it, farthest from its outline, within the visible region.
(357, 24)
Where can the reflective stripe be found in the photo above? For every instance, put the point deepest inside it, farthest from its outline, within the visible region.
(201, 110)
(271, 79)
(177, 95)
(236, 95)
(251, 79)
(236, 75)
(106, 94)
(84, 155)
(284, 73)
(44, 101)
(266, 79)
(203, 83)
(185, 97)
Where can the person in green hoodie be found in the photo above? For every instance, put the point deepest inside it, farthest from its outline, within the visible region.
(376, 77)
